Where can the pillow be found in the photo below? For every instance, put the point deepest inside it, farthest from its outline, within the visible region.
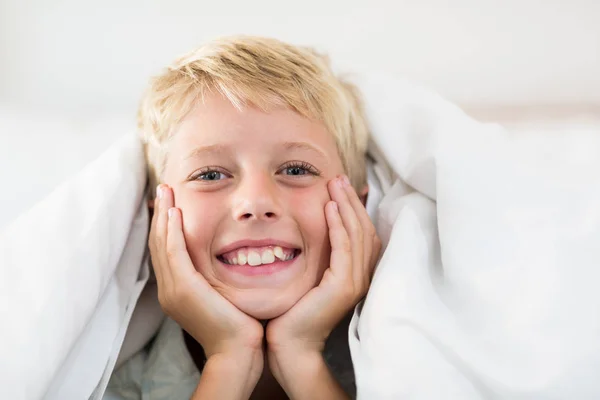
(58, 260)
(487, 287)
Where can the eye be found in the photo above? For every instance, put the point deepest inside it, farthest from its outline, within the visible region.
(296, 171)
(299, 168)
(209, 174)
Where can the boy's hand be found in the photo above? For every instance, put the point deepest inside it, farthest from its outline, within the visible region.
(355, 249)
(222, 329)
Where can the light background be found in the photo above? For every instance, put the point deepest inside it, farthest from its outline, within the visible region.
(72, 71)
(79, 55)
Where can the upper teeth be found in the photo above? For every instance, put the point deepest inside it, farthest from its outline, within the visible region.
(278, 252)
(255, 257)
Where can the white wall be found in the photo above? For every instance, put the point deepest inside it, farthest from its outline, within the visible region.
(96, 56)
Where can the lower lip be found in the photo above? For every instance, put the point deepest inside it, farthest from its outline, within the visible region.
(267, 269)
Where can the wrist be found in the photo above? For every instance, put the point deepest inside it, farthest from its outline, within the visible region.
(292, 347)
(229, 376)
(288, 354)
(232, 346)
(238, 362)
(293, 363)
(305, 375)
(246, 365)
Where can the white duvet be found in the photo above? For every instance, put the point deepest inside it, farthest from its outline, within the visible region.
(487, 288)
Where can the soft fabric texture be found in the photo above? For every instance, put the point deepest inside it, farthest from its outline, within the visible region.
(164, 370)
(485, 288)
(39, 150)
(488, 285)
(73, 258)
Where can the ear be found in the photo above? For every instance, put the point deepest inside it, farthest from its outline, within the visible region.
(363, 194)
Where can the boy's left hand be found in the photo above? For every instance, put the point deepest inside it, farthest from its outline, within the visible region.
(355, 249)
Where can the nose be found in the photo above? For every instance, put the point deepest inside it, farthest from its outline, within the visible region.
(256, 199)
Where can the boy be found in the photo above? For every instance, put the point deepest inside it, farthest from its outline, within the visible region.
(260, 244)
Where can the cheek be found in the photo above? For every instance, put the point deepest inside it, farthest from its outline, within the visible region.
(200, 220)
(308, 209)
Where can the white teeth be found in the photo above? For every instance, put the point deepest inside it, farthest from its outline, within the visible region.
(278, 252)
(267, 257)
(254, 258)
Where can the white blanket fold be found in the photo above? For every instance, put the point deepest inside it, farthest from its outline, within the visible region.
(490, 292)
(57, 262)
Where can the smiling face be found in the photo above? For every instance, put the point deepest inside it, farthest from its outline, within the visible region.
(252, 187)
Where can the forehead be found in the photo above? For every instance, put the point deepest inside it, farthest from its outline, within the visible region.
(217, 123)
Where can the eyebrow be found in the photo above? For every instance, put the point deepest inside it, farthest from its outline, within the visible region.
(212, 149)
(226, 149)
(303, 146)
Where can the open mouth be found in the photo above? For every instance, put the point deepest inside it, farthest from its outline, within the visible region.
(259, 256)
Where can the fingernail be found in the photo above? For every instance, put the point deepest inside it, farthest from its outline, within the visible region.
(335, 207)
(170, 212)
(345, 180)
(159, 192)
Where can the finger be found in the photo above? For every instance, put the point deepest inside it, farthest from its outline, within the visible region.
(365, 221)
(341, 248)
(160, 259)
(182, 268)
(179, 260)
(152, 239)
(372, 243)
(351, 223)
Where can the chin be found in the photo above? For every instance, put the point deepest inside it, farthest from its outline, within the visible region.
(265, 307)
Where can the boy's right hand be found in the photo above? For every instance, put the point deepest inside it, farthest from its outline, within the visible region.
(185, 296)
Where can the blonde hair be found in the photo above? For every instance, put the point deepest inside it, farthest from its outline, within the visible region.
(258, 72)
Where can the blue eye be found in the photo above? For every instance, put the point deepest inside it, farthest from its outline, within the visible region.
(296, 171)
(211, 175)
(299, 169)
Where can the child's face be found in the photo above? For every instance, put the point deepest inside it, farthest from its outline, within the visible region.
(248, 176)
